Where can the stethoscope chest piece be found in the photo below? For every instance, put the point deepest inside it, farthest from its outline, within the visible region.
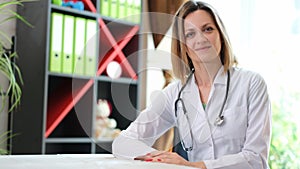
(219, 120)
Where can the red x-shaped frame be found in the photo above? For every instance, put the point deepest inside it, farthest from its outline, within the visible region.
(56, 113)
(117, 53)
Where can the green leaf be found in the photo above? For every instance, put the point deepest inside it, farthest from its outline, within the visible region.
(16, 15)
(5, 137)
(9, 69)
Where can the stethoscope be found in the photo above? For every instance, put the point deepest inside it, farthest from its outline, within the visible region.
(219, 120)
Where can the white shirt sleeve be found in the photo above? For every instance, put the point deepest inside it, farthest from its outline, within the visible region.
(151, 123)
(256, 147)
(128, 148)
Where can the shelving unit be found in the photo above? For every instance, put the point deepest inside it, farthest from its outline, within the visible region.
(57, 113)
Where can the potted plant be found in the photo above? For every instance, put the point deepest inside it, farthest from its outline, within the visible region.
(10, 90)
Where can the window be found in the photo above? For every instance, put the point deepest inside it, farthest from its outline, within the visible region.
(266, 37)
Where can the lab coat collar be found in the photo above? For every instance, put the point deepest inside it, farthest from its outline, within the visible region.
(191, 95)
(221, 78)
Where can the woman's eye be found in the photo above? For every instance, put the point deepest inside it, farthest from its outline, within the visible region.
(189, 34)
(208, 29)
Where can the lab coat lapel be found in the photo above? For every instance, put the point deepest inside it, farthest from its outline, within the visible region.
(191, 97)
(195, 111)
(216, 96)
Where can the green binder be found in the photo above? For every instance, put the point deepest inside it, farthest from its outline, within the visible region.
(56, 42)
(137, 11)
(122, 9)
(114, 12)
(79, 45)
(68, 38)
(91, 47)
(129, 5)
(105, 7)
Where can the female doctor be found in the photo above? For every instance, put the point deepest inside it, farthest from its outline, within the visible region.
(222, 112)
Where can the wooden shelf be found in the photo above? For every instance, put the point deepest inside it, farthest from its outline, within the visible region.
(72, 11)
(59, 107)
(63, 101)
(69, 140)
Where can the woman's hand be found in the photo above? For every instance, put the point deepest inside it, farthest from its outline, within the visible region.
(164, 157)
(170, 158)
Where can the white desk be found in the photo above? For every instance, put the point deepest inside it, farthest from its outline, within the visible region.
(72, 161)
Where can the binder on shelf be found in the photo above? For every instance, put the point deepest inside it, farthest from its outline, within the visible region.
(79, 45)
(114, 12)
(68, 39)
(122, 9)
(129, 4)
(56, 42)
(137, 11)
(91, 47)
(117, 52)
(105, 7)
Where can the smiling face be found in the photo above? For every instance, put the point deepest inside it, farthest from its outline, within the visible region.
(201, 36)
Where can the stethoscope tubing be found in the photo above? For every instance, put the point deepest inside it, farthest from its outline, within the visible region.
(219, 120)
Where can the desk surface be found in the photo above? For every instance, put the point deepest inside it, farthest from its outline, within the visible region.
(80, 161)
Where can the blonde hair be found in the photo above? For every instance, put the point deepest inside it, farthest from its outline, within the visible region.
(181, 62)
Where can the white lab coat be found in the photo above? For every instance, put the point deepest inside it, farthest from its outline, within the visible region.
(242, 142)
